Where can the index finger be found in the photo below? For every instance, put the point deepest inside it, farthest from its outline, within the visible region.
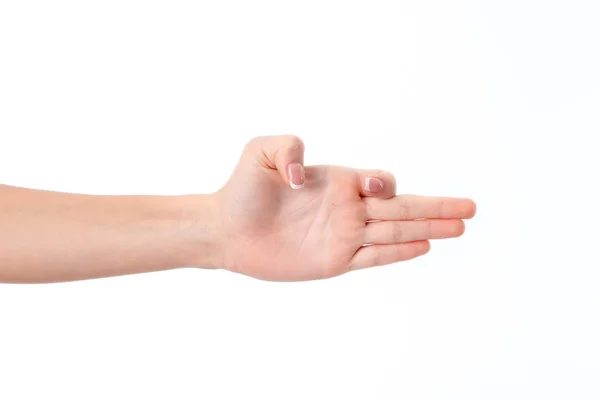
(409, 206)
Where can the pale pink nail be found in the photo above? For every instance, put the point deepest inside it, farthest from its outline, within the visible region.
(296, 175)
(373, 185)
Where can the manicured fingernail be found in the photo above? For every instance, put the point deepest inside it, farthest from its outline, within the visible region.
(373, 185)
(296, 175)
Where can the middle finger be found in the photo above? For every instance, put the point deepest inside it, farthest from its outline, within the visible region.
(390, 232)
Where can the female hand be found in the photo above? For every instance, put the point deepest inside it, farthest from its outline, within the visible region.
(280, 220)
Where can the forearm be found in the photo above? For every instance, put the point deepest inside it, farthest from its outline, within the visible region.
(49, 236)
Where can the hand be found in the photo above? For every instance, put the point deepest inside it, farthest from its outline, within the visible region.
(286, 222)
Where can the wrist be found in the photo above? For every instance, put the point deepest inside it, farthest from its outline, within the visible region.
(200, 231)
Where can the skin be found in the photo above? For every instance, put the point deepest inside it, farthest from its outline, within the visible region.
(340, 220)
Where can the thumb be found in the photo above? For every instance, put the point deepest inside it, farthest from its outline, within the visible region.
(285, 153)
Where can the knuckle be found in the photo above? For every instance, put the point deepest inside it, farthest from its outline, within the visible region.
(253, 143)
(441, 207)
(294, 142)
(400, 253)
(397, 232)
(428, 228)
(376, 257)
(403, 206)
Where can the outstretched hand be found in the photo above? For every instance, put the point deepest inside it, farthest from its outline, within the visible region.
(283, 221)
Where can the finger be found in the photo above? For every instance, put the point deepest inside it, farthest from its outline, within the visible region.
(408, 206)
(390, 232)
(376, 183)
(382, 254)
(285, 153)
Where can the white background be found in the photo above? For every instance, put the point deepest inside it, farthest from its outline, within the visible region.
(498, 101)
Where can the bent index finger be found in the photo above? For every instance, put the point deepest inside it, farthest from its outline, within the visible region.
(409, 206)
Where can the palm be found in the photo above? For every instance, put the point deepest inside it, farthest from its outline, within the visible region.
(276, 233)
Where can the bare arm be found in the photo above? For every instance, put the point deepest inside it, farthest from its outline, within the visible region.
(50, 236)
(275, 219)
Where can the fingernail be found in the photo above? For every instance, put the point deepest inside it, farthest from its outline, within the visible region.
(373, 185)
(296, 175)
